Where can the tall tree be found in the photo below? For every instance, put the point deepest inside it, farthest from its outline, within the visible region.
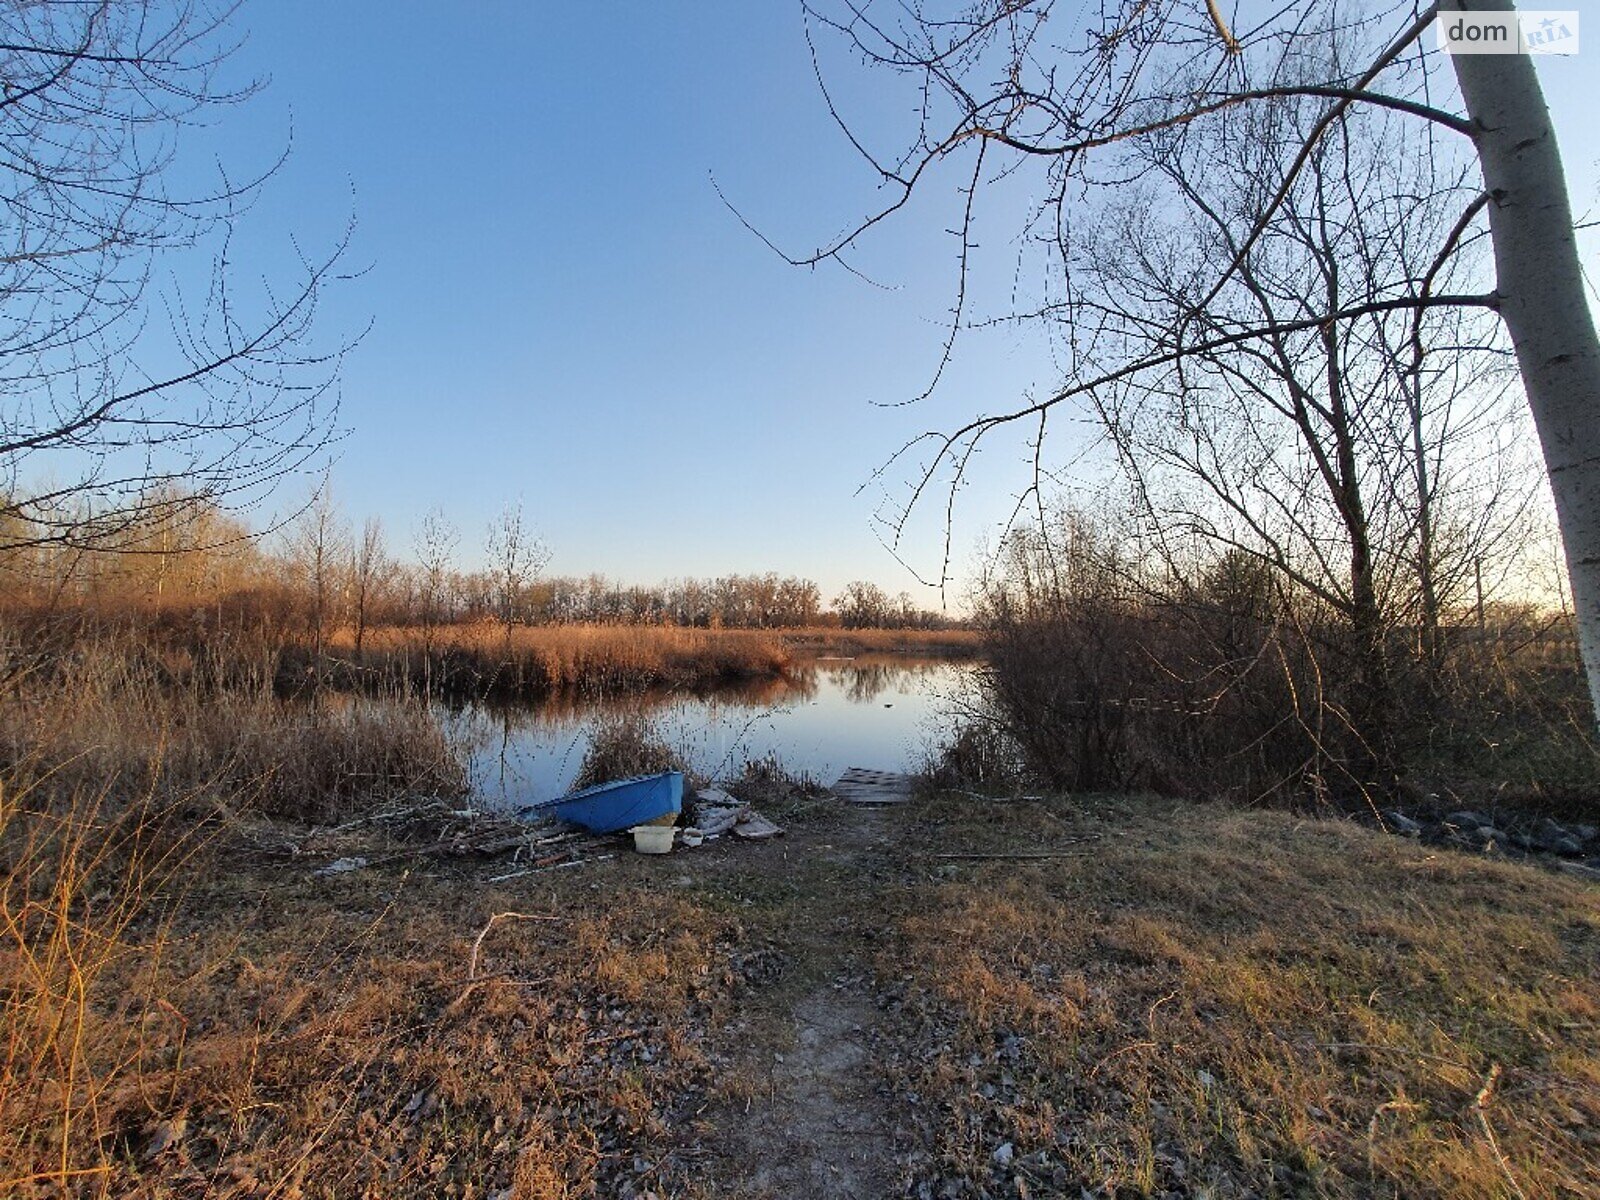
(516, 556)
(115, 389)
(1008, 87)
(319, 549)
(1330, 452)
(369, 567)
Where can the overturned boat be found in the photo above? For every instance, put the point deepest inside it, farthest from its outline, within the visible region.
(622, 803)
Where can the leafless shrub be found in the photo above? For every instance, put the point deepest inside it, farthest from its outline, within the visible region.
(1116, 670)
(623, 745)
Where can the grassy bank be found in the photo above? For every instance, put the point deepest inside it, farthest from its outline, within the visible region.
(263, 1033)
(1182, 1000)
(1192, 1001)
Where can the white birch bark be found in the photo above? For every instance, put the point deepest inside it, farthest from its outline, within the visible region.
(1542, 302)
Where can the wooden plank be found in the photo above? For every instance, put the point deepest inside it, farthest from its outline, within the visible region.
(861, 786)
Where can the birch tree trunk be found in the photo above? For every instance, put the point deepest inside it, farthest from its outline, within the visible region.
(1542, 302)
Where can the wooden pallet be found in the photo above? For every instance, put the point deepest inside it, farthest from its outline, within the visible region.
(860, 786)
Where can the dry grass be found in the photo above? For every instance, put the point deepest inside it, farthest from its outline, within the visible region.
(1197, 1001)
(1192, 1000)
(77, 928)
(954, 643)
(625, 744)
(537, 661)
(378, 1034)
(112, 718)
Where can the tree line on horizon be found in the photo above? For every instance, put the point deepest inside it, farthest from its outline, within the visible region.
(321, 572)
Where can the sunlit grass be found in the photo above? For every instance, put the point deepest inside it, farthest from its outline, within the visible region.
(1245, 1003)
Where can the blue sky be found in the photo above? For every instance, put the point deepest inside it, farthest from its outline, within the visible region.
(564, 312)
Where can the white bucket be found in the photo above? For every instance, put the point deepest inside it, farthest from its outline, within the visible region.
(653, 839)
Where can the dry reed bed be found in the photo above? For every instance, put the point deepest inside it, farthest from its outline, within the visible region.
(114, 718)
(534, 661)
(1198, 1001)
(537, 661)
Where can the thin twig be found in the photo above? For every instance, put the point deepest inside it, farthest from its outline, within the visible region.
(477, 943)
(1481, 1105)
(577, 862)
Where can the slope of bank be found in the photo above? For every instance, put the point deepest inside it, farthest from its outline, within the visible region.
(1099, 997)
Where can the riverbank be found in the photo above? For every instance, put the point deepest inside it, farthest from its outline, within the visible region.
(534, 662)
(1045, 998)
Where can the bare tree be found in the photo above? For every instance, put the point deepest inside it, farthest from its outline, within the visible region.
(319, 549)
(1007, 87)
(863, 605)
(516, 556)
(369, 567)
(117, 392)
(1333, 453)
(435, 543)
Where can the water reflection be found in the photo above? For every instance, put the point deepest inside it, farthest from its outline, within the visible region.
(864, 679)
(866, 712)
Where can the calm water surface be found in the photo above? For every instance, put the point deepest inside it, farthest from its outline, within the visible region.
(879, 713)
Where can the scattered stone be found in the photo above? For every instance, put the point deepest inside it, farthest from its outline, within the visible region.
(342, 866)
(1547, 835)
(1401, 824)
(1003, 1154)
(1467, 819)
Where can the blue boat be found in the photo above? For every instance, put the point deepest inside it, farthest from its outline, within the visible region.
(623, 803)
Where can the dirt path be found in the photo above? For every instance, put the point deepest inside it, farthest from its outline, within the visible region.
(813, 1123)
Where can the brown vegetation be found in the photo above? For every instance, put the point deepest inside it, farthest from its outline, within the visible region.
(117, 717)
(257, 1032)
(1113, 667)
(534, 661)
(1180, 997)
(623, 745)
(1198, 1000)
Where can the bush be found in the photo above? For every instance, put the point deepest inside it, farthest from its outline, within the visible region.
(1233, 686)
(979, 754)
(623, 745)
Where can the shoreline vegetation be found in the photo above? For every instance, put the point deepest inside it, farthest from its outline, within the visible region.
(534, 662)
(176, 964)
(241, 717)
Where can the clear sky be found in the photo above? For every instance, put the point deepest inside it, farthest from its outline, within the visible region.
(564, 311)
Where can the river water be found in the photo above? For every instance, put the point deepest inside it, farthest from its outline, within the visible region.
(881, 712)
